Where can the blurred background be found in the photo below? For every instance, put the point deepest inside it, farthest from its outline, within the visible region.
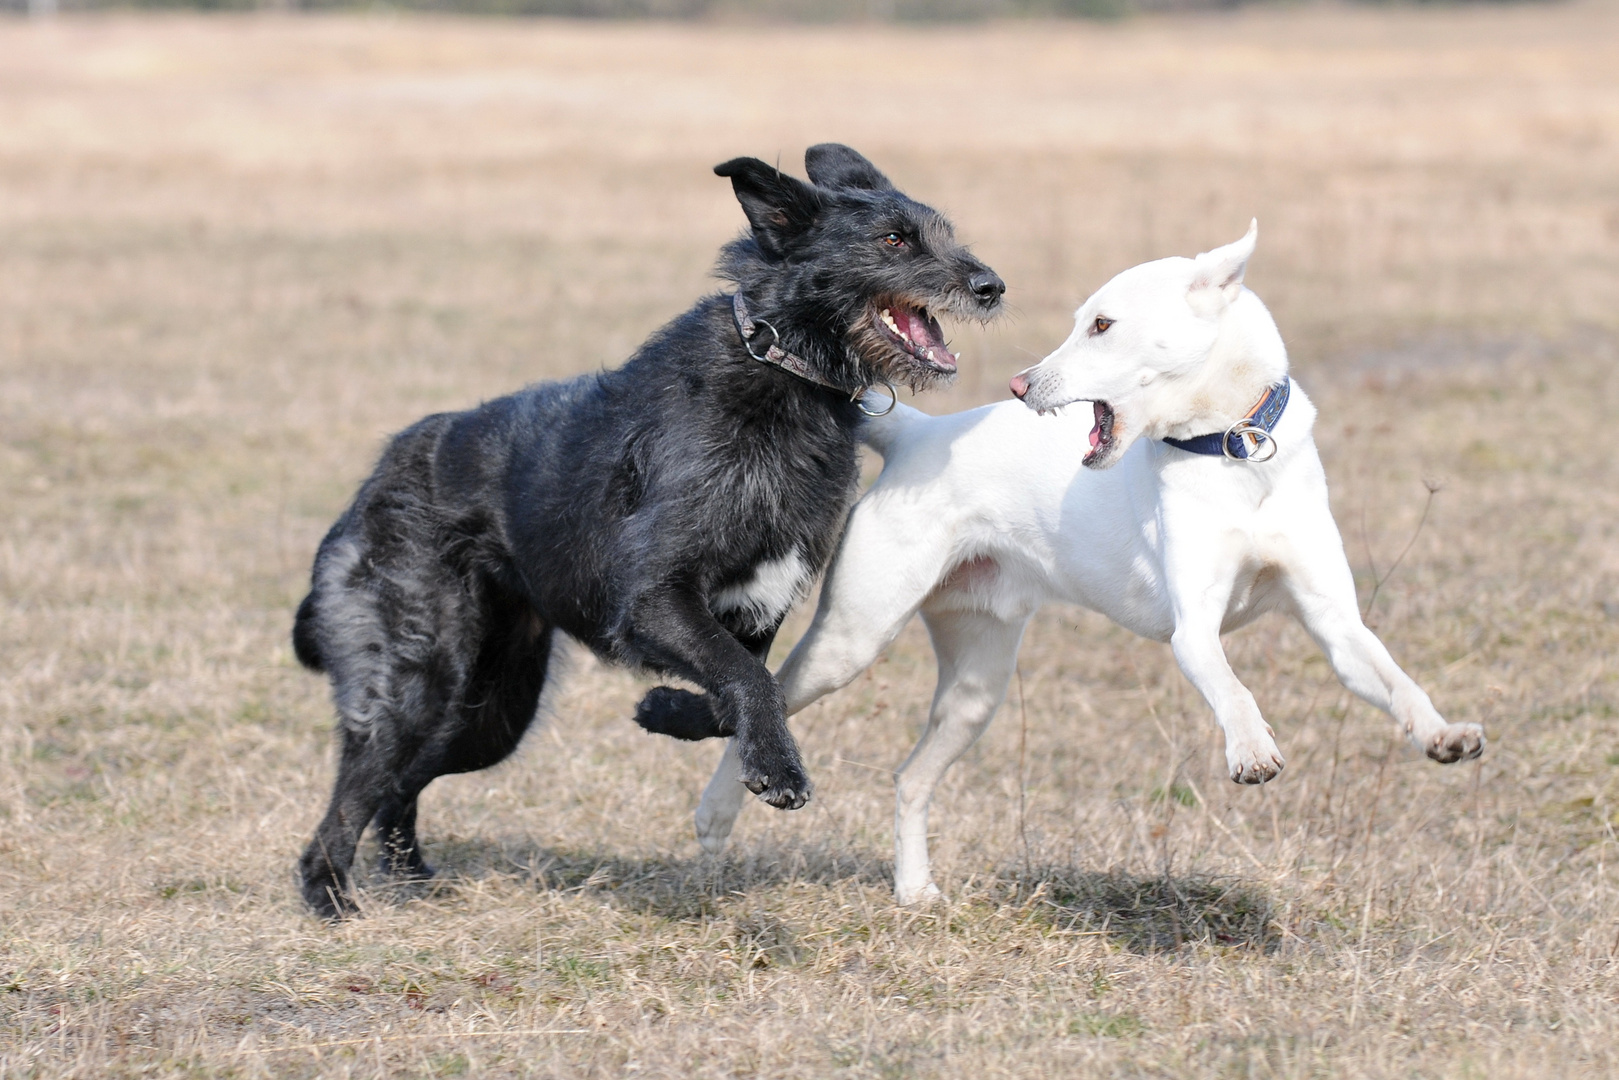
(239, 248)
(811, 11)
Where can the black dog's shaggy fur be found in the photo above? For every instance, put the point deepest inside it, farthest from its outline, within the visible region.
(665, 514)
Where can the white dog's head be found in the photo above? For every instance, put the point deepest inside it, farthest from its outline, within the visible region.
(1138, 344)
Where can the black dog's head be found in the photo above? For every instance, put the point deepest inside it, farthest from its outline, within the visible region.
(851, 272)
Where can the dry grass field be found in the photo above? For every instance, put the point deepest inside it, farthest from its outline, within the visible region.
(236, 252)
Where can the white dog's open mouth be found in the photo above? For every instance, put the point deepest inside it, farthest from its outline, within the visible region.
(1101, 434)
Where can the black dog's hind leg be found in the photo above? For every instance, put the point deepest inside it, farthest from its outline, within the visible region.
(365, 778)
(502, 696)
(396, 831)
(681, 714)
(675, 630)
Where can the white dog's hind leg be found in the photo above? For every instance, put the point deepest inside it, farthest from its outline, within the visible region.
(722, 802)
(887, 564)
(862, 610)
(977, 654)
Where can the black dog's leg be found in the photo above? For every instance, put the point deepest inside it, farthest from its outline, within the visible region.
(681, 714)
(503, 694)
(396, 819)
(365, 776)
(396, 830)
(402, 856)
(676, 631)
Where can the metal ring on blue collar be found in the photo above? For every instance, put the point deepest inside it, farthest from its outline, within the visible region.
(748, 344)
(893, 399)
(1248, 427)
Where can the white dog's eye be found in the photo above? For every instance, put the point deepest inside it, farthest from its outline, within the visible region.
(1100, 325)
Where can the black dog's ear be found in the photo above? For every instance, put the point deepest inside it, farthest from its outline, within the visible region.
(780, 208)
(833, 165)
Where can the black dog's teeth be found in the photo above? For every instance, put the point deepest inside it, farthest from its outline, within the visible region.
(917, 319)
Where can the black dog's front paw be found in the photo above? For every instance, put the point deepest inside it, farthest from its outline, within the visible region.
(779, 779)
(679, 714)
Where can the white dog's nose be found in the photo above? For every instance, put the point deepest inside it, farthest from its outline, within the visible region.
(1019, 385)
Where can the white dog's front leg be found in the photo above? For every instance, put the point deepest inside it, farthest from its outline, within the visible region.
(888, 562)
(1201, 562)
(1324, 599)
(1251, 753)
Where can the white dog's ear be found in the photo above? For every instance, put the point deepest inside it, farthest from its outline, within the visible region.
(1217, 274)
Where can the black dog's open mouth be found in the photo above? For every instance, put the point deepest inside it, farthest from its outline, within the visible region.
(916, 332)
(1101, 434)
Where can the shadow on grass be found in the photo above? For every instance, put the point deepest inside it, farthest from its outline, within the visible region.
(1152, 914)
(1145, 914)
(673, 888)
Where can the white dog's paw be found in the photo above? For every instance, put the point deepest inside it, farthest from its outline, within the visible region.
(1455, 742)
(713, 830)
(1254, 762)
(909, 896)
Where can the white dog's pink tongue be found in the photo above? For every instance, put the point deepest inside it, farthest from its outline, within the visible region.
(1096, 432)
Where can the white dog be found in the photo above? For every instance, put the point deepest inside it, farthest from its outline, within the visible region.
(1195, 503)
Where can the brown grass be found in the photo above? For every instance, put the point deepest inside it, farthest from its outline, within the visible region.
(235, 252)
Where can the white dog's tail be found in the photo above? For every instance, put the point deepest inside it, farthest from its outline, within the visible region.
(881, 432)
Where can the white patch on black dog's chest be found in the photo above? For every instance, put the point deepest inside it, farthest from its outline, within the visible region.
(767, 595)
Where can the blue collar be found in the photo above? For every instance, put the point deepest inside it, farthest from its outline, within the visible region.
(1255, 426)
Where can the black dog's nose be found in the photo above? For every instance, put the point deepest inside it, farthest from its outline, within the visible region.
(987, 286)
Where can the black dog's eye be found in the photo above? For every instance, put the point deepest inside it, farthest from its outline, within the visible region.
(1100, 325)
(893, 240)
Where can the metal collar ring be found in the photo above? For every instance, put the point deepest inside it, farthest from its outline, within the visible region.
(791, 363)
(747, 342)
(1261, 437)
(893, 399)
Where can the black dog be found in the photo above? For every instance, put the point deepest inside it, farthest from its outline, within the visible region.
(666, 514)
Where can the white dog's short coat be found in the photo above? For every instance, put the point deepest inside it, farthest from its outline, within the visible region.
(980, 517)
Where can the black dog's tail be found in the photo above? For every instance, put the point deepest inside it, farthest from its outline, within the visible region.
(303, 636)
(679, 714)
